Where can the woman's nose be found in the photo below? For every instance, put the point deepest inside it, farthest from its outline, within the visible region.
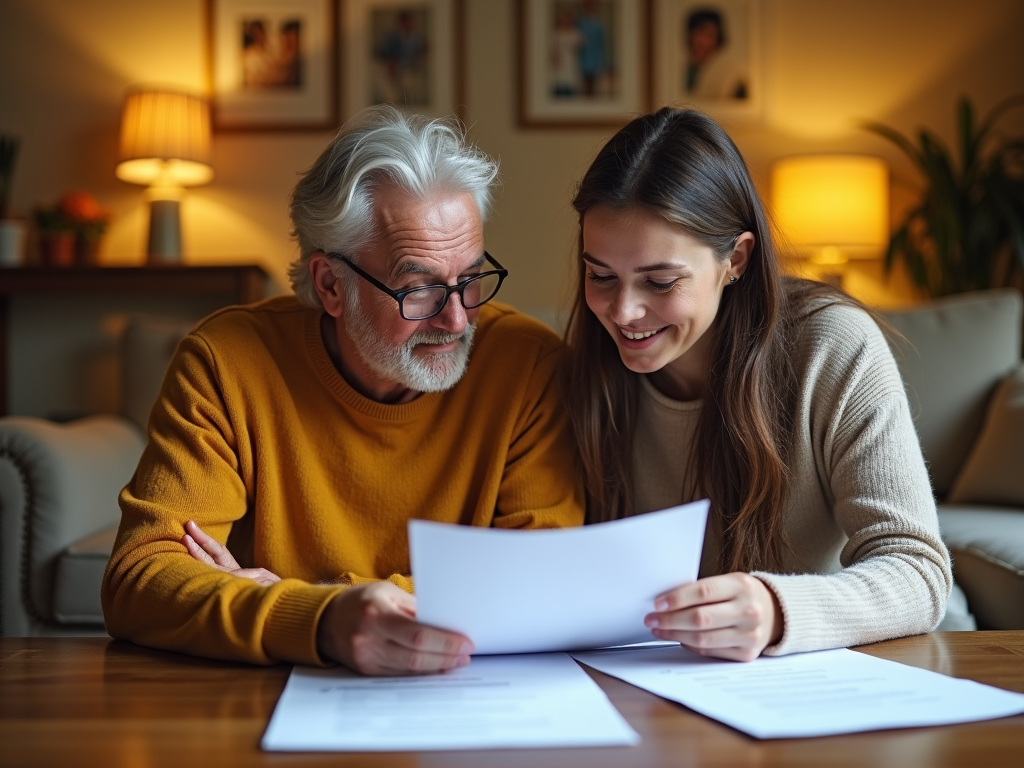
(626, 307)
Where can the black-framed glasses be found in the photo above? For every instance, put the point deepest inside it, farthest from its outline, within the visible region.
(425, 301)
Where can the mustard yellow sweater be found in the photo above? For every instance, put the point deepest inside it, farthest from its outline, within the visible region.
(256, 436)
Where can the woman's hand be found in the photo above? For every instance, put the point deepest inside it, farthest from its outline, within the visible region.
(207, 549)
(732, 616)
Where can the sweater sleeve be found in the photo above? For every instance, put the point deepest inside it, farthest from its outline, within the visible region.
(896, 573)
(153, 592)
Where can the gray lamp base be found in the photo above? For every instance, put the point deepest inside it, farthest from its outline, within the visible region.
(164, 246)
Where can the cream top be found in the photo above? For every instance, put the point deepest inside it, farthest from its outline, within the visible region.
(864, 560)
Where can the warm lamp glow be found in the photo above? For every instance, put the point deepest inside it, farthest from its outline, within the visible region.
(165, 144)
(833, 207)
(165, 139)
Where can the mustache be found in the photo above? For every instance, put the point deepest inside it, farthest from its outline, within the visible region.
(436, 337)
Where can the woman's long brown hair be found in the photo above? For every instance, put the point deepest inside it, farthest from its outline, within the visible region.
(681, 165)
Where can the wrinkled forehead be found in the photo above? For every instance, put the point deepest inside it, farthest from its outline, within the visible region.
(440, 233)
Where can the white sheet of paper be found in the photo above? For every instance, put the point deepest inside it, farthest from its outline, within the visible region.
(807, 694)
(539, 700)
(514, 591)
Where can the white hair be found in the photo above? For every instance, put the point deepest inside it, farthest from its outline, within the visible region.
(332, 205)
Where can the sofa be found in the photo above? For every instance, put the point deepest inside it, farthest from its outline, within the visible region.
(960, 358)
(961, 362)
(58, 494)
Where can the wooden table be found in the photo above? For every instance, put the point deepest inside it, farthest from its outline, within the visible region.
(99, 702)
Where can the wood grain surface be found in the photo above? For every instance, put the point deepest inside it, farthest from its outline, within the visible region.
(101, 702)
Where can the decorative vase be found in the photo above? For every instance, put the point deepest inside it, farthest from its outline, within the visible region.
(57, 249)
(12, 242)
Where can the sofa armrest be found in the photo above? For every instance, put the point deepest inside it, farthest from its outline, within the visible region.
(58, 484)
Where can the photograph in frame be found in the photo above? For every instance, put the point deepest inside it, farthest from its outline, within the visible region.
(707, 54)
(581, 62)
(273, 64)
(403, 52)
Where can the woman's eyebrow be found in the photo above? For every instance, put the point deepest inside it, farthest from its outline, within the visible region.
(661, 265)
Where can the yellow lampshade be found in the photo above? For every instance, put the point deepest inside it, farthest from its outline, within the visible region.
(833, 207)
(165, 139)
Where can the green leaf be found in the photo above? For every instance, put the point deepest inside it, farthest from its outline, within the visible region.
(996, 112)
(1010, 203)
(968, 143)
(896, 138)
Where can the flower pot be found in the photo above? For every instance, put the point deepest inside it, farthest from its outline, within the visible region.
(12, 242)
(57, 249)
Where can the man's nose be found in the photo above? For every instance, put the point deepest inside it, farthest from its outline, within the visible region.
(452, 318)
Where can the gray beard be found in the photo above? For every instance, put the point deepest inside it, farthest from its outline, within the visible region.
(433, 373)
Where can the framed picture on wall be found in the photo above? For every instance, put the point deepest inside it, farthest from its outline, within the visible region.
(707, 53)
(403, 52)
(581, 62)
(273, 64)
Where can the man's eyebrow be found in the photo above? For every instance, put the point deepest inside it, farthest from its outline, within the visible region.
(415, 268)
(661, 265)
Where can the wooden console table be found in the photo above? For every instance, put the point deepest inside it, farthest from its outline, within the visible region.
(235, 284)
(102, 702)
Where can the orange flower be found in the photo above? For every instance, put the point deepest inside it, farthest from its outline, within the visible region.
(82, 207)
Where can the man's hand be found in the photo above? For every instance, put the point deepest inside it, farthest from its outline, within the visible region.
(207, 549)
(372, 629)
(732, 616)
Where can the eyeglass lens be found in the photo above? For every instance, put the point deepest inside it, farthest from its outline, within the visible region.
(428, 301)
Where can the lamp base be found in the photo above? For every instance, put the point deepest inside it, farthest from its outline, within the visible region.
(164, 245)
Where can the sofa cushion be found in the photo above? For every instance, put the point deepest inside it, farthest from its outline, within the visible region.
(994, 471)
(956, 350)
(146, 350)
(76, 583)
(987, 545)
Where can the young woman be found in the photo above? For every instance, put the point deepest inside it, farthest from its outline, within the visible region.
(697, 370)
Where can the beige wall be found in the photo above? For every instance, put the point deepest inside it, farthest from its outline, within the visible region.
(66, 63)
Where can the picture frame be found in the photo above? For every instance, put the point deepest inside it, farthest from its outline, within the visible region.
(581, 62)
(409, 53)
(273, 64)
(722, 77)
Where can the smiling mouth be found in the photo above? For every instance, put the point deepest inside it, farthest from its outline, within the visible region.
(637, 335)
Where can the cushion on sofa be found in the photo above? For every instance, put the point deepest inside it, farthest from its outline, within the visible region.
(994, 471)
(956, 350)
(147, 346)
(987, 545)
(79, 572)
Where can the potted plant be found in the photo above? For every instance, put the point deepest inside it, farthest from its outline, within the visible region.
(966, 233)
(12, 231)
(71, 230)
(90, 224)
(56, 236)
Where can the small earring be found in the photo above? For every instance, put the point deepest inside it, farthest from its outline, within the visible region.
(732, 279)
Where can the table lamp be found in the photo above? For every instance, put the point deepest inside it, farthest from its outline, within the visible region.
(165, 144)
(832, 208)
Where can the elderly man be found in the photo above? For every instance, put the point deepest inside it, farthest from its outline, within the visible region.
(304, 432)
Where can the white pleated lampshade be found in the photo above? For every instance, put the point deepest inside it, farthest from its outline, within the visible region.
(165, 138)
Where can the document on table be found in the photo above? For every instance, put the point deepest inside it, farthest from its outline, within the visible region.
(514, 591)
(539, 700)
(807, 694)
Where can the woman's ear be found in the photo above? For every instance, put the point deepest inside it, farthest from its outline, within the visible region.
(740, 256)
(328, 285)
